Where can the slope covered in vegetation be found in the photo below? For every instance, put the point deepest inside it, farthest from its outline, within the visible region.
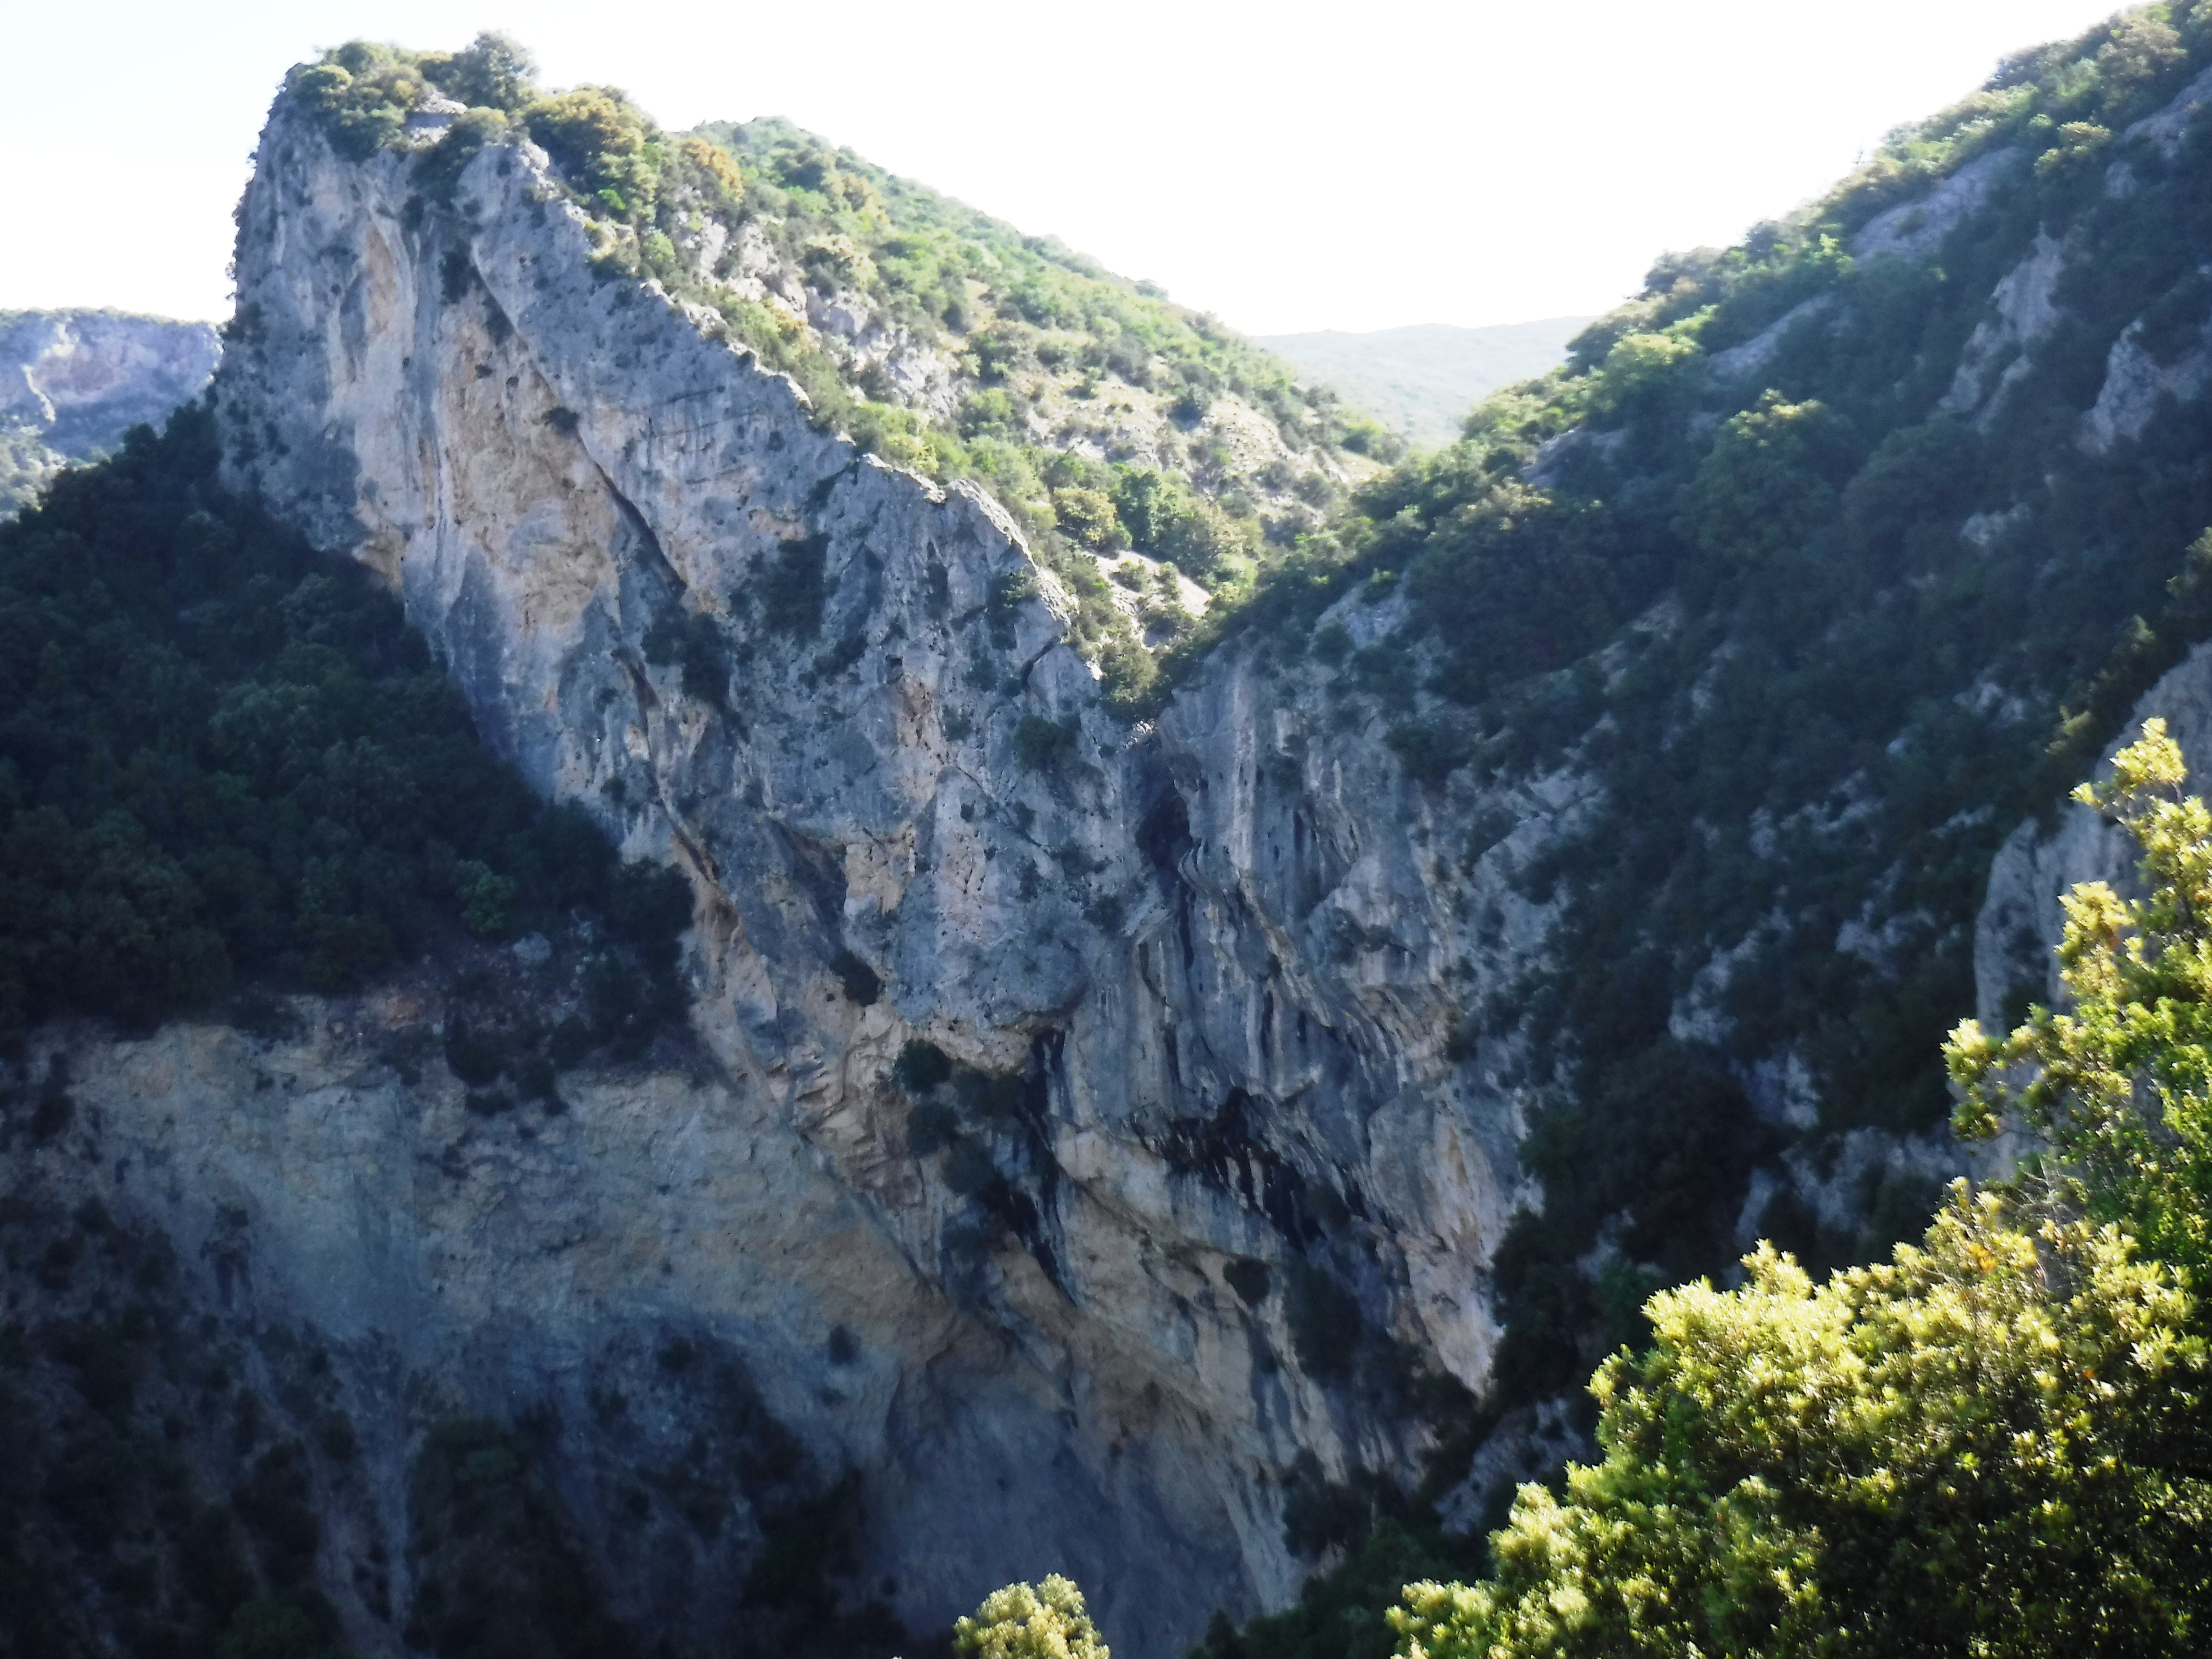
(1829, 557)
(228, 763)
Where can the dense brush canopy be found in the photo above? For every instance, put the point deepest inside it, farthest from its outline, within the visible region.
(226, 760)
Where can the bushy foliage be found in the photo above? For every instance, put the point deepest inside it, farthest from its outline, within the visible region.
(492, 72)
(605, 144)
(223, 757)
(1030, 1621)
(1768, 486)
(1995, 1442)
(361, 94)
(1164, 518)
(2119, 1085)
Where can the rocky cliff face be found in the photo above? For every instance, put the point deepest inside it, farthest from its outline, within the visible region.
(1100, 1139)
(1100, 1085)
(72, 382)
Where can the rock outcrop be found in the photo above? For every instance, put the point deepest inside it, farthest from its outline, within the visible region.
(1103, 1085)
(1098, 1137)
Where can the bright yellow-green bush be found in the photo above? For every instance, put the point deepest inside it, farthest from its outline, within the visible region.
(1995, 1443)
(605, 146)
(2120, 1084)
(1026, 1621)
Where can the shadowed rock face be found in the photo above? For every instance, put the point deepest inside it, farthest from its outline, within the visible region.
(1194, 1190)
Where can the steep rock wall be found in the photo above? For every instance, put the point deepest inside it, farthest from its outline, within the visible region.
(1195, 973)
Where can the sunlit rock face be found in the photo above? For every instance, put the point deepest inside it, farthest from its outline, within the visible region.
(1196, 1179)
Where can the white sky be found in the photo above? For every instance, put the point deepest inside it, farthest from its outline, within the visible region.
(1291, 167)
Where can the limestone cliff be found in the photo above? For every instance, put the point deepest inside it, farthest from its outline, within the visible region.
(72, 382)
(1101, 1084)
(1099, 1139)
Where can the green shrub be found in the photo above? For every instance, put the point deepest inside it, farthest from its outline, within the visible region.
(605, 145)
(1087, 516)
(2033, 1438)
(360, 93)
(1042, 745)
(492, 72)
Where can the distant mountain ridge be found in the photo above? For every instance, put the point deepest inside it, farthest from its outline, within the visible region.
(73, 382)
(1422, 380)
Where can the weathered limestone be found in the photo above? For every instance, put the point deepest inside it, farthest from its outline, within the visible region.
(1223, 954)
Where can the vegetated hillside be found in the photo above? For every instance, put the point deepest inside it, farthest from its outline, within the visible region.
(1039, 345)
(1422, 380)
(226, 764)
(72, 382)
(1828, 559)
(1125, 434)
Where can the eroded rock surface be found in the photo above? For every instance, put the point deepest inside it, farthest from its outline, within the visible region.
(1196, 1177)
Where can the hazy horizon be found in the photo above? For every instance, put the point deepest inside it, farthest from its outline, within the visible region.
(1239, 168)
